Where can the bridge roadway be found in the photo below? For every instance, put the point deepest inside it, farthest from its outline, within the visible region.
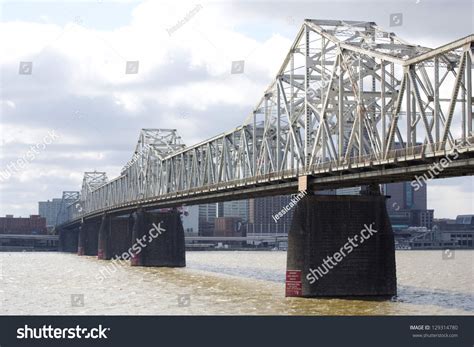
(400, 166)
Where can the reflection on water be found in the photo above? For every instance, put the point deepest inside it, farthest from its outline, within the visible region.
(220, 283)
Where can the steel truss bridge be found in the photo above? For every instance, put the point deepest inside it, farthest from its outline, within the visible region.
(352, 104)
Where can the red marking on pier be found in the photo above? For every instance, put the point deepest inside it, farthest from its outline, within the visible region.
(293, 283)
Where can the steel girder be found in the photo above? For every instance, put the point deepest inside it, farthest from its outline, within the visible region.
(65, 212)
(347, 93)
(91, 195)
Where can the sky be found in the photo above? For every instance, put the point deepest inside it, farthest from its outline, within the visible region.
(80, 111)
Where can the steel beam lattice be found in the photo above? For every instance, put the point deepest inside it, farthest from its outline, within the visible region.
(347, 94)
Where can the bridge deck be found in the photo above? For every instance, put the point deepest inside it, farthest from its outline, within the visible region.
(328, 175)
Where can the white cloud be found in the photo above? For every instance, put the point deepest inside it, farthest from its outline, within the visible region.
(451, 200)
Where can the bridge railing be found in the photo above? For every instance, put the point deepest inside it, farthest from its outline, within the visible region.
(328, 166)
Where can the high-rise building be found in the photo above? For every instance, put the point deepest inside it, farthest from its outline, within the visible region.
(349, 191)
(229, 226)
(207, 216)
(237, 208)
(261, 211)
(407, 206)
(49, 210)
(404, 196)
(190, 218)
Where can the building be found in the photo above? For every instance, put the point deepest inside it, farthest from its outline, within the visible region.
(229, 226)
(446, 233)
(190, 218)
(34, 225)
(349, 191)
(237, 208)
(261, 211)
(404, 196)
(407, 207)
(465, 221)
(49, 210)
(207, 215)
(201, 219)
(462, 222)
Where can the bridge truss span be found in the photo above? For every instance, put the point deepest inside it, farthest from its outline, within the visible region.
(350, 102)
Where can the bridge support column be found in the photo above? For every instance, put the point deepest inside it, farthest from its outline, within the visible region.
(115, 237)
(68, 240)
(80, 241)
(341, 246)
(158, 239)
(104, 238)
(88, 239)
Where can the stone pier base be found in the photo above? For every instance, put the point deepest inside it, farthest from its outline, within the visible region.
(104, 238)
(68, 241)
(341, 246)
(158, 239)
(114, 237)
(88, 240)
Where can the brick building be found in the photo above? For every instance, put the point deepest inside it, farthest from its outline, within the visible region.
(35, 224)
(229, 226)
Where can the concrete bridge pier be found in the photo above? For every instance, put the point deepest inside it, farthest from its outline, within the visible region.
(88, 238)
(158, 239)
(80, 241)
(104, 238)
(114, 236)
(68, 240)
(341, 246)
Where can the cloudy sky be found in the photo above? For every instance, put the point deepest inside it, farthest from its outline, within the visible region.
(78, 88)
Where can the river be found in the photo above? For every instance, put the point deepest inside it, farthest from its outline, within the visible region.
(219, 283)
